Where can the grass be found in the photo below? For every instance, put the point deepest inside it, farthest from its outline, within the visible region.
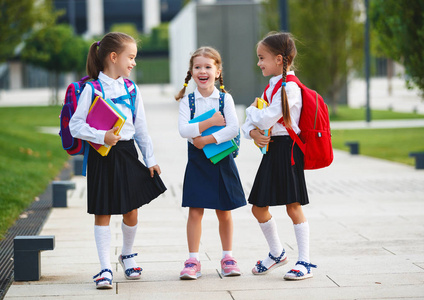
(29, 160)
(390, 144)
(358, 114)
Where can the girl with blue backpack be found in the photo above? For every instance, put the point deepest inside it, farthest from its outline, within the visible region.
(208, 185)
(117, 184)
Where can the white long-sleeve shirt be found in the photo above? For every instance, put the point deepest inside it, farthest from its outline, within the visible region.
(268, 117)
(138, 130)
(203, 105)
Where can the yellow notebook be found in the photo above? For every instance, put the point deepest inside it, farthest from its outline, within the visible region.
(261, 105)
(104, 115)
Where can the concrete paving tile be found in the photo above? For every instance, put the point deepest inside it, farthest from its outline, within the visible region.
(40, 290)
(385, 279)
(375, 292)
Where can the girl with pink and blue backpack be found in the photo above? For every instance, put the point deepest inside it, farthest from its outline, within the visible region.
(119, 183)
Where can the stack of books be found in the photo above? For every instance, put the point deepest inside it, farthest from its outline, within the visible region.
(104, 115)
(215, 152)
(261, 105)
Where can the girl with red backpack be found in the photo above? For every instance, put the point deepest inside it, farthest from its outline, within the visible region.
(117, 184)
(280, 178)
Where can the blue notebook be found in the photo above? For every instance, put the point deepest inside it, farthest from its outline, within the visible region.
(211, 149)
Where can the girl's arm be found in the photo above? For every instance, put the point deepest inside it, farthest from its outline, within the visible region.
(78, 126)
(266, 118)
(141, 135)
(190, 131)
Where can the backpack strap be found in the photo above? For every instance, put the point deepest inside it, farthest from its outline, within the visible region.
(296, 139)
(191, 105)
(132, 95)
(97, 89)
(221, 102)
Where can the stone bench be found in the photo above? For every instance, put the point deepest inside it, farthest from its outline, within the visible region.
(354, 147)
(26, 252)
(60, 189)
(419, 159)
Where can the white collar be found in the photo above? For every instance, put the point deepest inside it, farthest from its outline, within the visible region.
(273, 81)
(215, 94)
(109, 81)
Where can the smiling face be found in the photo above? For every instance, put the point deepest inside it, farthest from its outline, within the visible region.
(126, 60)
(205, 73)
(270, 64)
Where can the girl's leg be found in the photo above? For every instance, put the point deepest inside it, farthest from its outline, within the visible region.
(228, 263)
(102, 236)
(192, 268)
(194, 230)
(269, 229)
(301, 230)
(225, 231)
(129, 230)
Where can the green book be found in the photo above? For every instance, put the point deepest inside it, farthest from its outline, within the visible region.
(224, 153)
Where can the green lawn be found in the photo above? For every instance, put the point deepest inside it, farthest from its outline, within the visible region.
(391, 144)
(29, 160)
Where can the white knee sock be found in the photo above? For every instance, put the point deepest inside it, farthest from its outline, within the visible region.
(270, 232)
(128, 237)
(102, 237)
(302, 236)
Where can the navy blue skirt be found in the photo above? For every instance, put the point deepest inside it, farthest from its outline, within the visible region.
(119, 182)
(277, 182)
(208, 185)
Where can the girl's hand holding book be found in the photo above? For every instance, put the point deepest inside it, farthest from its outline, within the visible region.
(110, 138)
(259, 137)
(218, 119)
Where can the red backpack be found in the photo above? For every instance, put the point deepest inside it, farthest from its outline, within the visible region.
(315, 136)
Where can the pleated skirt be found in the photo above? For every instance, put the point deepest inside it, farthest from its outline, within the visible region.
(119, 182)
(277, 181)
(208, 185)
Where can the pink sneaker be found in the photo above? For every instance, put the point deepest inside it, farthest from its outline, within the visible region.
(229, 266)
(191, 269)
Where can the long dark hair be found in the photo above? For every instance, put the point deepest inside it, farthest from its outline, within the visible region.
(282, 43)
(111, 42)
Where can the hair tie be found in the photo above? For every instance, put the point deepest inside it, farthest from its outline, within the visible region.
(222, 87)
(98, 44)
(283, 84)
(185, 84)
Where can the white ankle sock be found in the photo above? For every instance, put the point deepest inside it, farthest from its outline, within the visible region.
(270, 232)
(128, 236)
(302, 237)
(194, 254)
(230, 253)
(102, 237)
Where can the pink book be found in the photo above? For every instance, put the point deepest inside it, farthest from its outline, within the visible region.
(104, 115)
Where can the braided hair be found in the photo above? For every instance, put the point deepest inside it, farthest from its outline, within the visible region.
(282, 43)
(208, 52)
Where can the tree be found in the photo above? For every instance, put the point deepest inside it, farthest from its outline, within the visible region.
(17, 20)
(57, 49)
(329, 40)
(330, 46)
(398, 28)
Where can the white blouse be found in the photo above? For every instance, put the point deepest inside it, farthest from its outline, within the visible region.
(203, 105)
(138, 130)
(268, 117)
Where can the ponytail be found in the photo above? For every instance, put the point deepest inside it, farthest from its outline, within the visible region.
(284, 101)
(94, 64)
(182, 91)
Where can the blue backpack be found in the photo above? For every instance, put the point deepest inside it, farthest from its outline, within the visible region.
(221, 109)
(76, 146)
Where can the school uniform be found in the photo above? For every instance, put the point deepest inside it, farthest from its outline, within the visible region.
(208, 185)
(119, 182)
(277, 181)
